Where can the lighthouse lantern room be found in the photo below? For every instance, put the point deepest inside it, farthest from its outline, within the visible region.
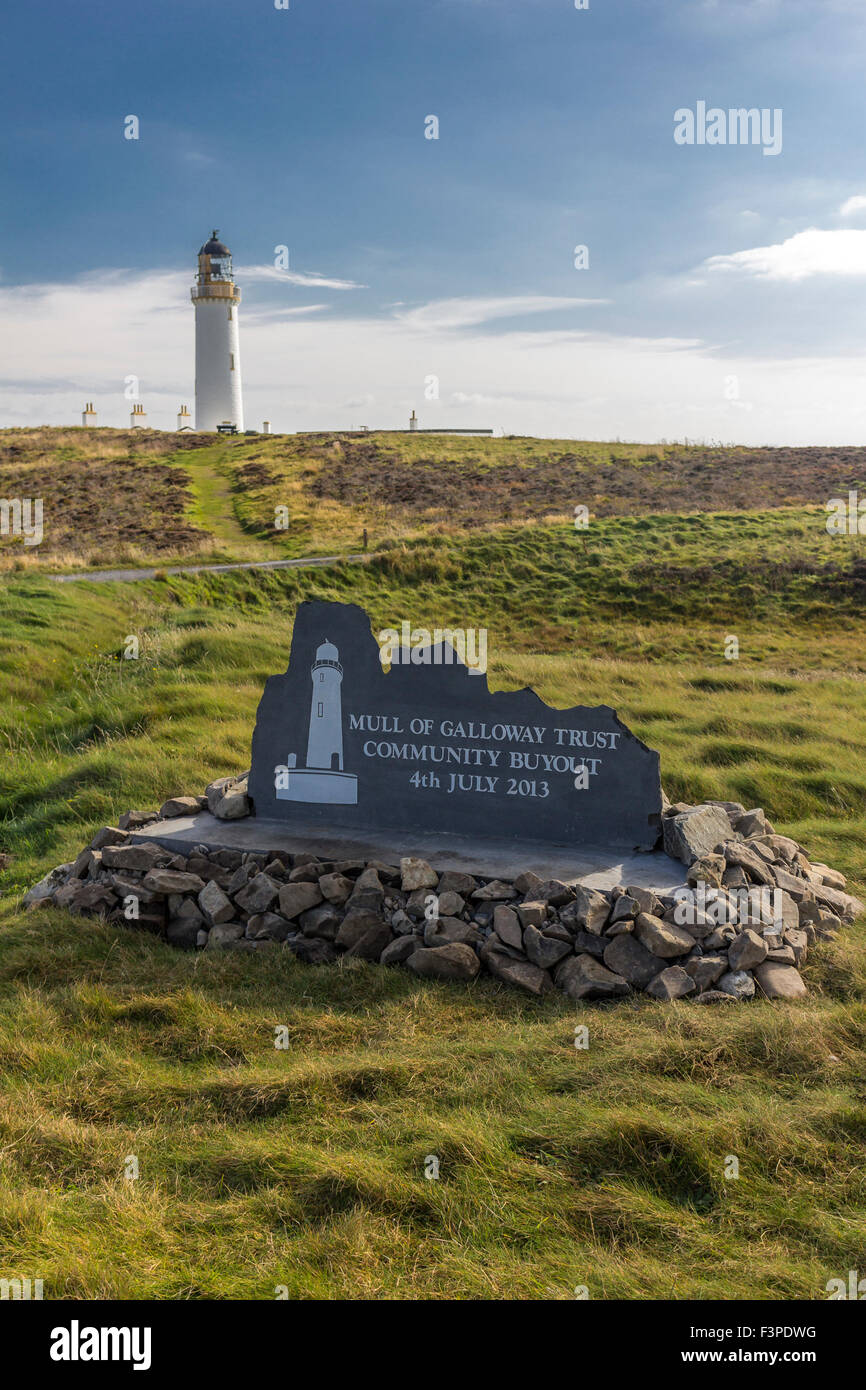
(218, 397)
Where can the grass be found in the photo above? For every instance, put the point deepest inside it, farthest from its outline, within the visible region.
(559, 1167)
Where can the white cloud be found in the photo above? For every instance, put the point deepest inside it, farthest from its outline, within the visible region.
(808, 253)
(853, 206)
(467, 312)
(79, 341)
(270, 274)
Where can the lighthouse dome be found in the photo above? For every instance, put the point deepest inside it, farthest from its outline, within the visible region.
(327, 652)
(214, 247)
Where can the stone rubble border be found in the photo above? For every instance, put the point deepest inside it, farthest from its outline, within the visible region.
(743, 921)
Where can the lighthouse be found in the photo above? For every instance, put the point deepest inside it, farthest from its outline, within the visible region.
(323, 780)
(325, 743)
(218, 399)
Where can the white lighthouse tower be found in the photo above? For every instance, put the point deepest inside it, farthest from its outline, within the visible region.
(218, 399)
(323, 780)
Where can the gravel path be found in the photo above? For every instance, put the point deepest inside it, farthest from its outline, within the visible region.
(126, 576)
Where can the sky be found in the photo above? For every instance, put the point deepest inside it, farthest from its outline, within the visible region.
(720, 297)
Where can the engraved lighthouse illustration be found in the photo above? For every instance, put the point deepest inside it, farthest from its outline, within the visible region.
(323, 779)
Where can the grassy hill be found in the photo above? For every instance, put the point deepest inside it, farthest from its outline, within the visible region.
(558, 1167)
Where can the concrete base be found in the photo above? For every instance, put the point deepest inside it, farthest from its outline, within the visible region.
(596, 867)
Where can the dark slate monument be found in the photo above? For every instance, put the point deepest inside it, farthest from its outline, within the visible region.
(426, 746)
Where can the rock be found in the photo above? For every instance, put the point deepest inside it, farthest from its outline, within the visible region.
(450, 904)
(709, 869)
(260, 894)
(454, 962)
(453, 882)
(85, 897)
(223, 935)
(445, 929)
(783, 955)
(520, 973)
(183, 932)
(142, 857)
(798, 942)
(215, 906)
(543, 951)
(355, 927)
(312, 950)
(506, 924)
(746, 950)
(842, 904)
(134, 820)
(494, 947)
(527, 882)
(233, 805)
(179, 806)
(732, 809)
(417, 873)
(323, 921)
(584, 943)
(831, 877)
(583, 977)
(165, 881)
(706, 970)
(267, 926)
(44, 890)
(737, 983)
(753, 823)
(308, 872)
(780, 981)
(189, 911)
(296, 898)
(664, 939)
(401, 923)
(108, 835)
(734, 877)
(716, 996)
(493, 891)
(624, 909)
(692, 834)
(672, 983)
(621, 928)
(553, 891)
(416, 903)
(646, 901)
(532, 914)
(369, 882)
(629, 958)
(86, 865)
(757, 868)
(399, 951)
(589, 910)
(372, 942)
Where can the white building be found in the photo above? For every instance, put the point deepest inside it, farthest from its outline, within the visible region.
(218, 398)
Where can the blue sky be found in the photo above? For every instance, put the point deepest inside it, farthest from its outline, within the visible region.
(725, 288)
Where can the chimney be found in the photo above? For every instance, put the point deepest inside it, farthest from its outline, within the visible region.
(184, 419)
(413, 421)
(138, 419)
(88, 416)
(266, 427)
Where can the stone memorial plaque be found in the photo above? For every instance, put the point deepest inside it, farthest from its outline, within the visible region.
(426, 746)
